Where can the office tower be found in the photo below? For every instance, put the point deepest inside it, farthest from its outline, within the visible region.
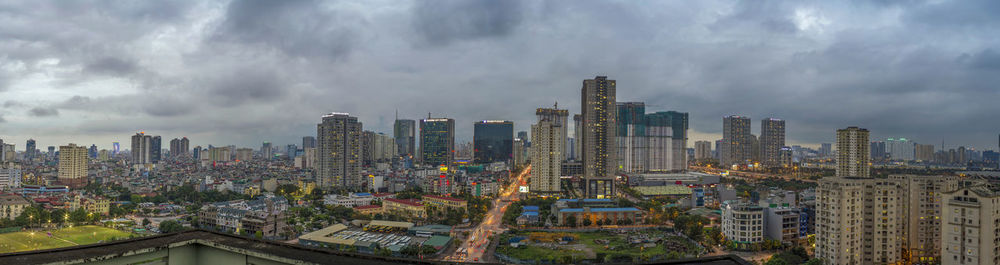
(785, 156)
(404, 132)
(338, 158)
(737, 141)
(368, 148)
(92, 152)
(570, 149)
(666, 133)
(266, 151)
(141, 148)
(599, 134)
(632, 144)
(878, 151)
(923, 152)
(524, 136)
(175, 147)
(308, 142)
(963, 157)
(115, 148)
(290, 151)
(437, 141)
(493, 141)
(30, 150)
(702, 150)
(9, 154)
(899, 149)
(196, 153)
(155, 149)
(852, 152)
(3, 151)
(73, 165)
(546, 151)
(577, 137)
(969, 226)
(772, 139)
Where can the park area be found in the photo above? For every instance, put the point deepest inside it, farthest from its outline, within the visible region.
(58, 238)
(599, 246)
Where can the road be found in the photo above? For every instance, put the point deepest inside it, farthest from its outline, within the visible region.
(751, 176)
(478, 241)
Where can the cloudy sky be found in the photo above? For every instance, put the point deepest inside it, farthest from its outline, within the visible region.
(244, 72)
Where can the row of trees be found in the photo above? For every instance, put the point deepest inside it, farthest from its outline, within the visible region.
(37, 216)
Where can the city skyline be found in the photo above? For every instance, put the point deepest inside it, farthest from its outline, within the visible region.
(207, 71)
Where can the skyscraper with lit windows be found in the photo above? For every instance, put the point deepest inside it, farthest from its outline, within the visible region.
(338, 158)
(437, 141)
(599, 120)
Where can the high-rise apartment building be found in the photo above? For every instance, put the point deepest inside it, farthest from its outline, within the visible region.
(702, 150)
(141, 149)
(878, 152)
(155, 149)
(737, 142)
(899, 149)
(437, 141)
(338, 158)
(969, 226)
(175, 147)
(546, 150)
(266, 151)
(493, 141)
(632, 145)
(404, 132)
(921, 213)
(599, 134)
(73, 165)
(852, 152)
(772, 139)
(577, 137)
(923, 152)
(666, 133)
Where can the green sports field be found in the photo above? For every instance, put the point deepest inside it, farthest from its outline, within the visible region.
(66, 237)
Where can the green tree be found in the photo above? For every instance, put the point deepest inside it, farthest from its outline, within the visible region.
(815, 261)
(145, 222)
(586, 222)
(170, 226)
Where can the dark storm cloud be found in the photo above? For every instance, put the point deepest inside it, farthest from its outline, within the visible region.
(300, 28)
(2, 120)
(240, 72)
(441, 22)
(43, 112)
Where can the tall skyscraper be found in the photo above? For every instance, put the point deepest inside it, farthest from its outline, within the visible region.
(30, 150)
(115, 148)
(577, 137)
(737, 142)
(92, 152)
(290, 151)
(666, 132)
(772, 139)
(437, 141)
(599, 133)
(175, 147)
(632, 145)
(266, 151)
(338, 158)
(404, 132)
(852, 152)
(546, 152)
(155, 149)
(899, 149)
(73, 165)
(308, 142)
(493, 141)
(878, 152)
(702, 150)
(185, 146)
(923, 152)
(141, 148)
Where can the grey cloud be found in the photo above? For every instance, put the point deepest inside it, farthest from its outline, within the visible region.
(12, 103)
(441, 22)
(43, 112)
(988, 59)
(2, 120)
(249, 85)
(300, 28)
(112, 66)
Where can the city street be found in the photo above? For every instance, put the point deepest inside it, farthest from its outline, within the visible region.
(472, 250)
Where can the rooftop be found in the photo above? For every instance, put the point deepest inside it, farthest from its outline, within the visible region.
(410, 202)
(444, 198)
